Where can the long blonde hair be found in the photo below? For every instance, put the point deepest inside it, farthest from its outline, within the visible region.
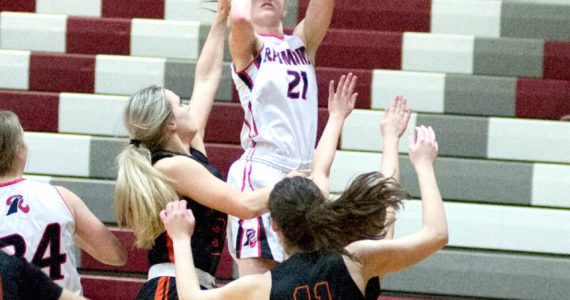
(11, 140)
(141, 191)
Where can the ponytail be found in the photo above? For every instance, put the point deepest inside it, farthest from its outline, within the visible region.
(141, 192)
(310, 222)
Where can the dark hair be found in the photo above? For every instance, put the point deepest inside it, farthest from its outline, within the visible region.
(310, 222)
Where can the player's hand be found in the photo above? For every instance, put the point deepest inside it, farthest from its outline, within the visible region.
(341, 102)
(423, 147)
(178, 220)
(395, 118)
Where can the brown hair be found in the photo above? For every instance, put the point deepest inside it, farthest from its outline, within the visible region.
(310, 222)
(141, 191)
(11, 140)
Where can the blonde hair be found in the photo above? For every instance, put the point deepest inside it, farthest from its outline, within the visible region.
(141, 191)
(11, 140)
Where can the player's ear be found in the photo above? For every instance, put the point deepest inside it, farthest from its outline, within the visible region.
(274, 225)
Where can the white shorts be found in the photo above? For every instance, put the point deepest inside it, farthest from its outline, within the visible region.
(254, 237)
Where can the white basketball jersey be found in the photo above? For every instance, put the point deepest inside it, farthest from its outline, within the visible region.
(37, 224)
(278, 92)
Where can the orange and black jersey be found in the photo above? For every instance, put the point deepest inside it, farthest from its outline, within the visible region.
(318, 275)
(210, 232)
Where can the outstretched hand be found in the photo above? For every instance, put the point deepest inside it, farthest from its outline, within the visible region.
(395, 118)
(178, 220)
(423, 147)
(341, 102)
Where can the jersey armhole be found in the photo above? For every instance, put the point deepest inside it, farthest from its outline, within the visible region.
(71, 212)
(255, 61)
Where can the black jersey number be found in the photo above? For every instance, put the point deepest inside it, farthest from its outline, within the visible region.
(50, 240)
(294, 92)
(321, 291)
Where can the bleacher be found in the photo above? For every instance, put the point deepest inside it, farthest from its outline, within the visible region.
(491, 76)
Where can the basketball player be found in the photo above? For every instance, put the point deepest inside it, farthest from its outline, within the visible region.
(21, 280)
(44, 223)
(275, 77)
(167, 160)
(329, 252)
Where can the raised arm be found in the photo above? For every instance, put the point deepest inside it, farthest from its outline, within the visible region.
(313, 28)
(209, 70)
(179, 223)
(192, 180)
(386, 256)
(394, 123)
(91, 234)
(243, 42)
(340, 105)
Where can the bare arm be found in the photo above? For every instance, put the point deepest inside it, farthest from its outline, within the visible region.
(394, 123)
(91, 234)
(191, 179)
(313, 28)
(179, 223)
(340, 105)
(243, 42)
(209, 70)
(386, 256)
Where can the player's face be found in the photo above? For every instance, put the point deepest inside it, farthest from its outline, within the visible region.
(184, 123)
(267, 12)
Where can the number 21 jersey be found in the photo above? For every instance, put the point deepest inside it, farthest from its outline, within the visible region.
(278, 92)
(37, 224)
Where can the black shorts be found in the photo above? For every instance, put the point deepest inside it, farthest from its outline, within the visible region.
(160, 288)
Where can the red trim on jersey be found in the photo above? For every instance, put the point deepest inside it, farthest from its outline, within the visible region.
(252, 119)
(65, 202)
(277, 36)
(258, 244)
(1, 290)
(170, 248)
(255, 58)
(3, 184)
(249, 173)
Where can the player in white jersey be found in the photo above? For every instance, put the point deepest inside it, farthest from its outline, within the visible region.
(275, 77)
(43, 223)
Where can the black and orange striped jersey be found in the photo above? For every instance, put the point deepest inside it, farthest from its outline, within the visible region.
(318, 275)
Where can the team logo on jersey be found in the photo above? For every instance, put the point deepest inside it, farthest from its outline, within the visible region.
(16, 202)
(251, 238)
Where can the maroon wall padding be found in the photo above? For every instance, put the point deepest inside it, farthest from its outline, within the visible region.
(18, 5)
(354, 49)
(110, 288)
(137, 259)
(98, 36)
(37, 111)
(323, 118)
(542, 99)
(223, 155)
(224, 124)
(363, 85)
(385, 15)
(57, 72)
(128, 9)
(557, 60)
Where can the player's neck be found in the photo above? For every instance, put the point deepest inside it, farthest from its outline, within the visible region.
(269, 30)
(11, 176)
(176, 145)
